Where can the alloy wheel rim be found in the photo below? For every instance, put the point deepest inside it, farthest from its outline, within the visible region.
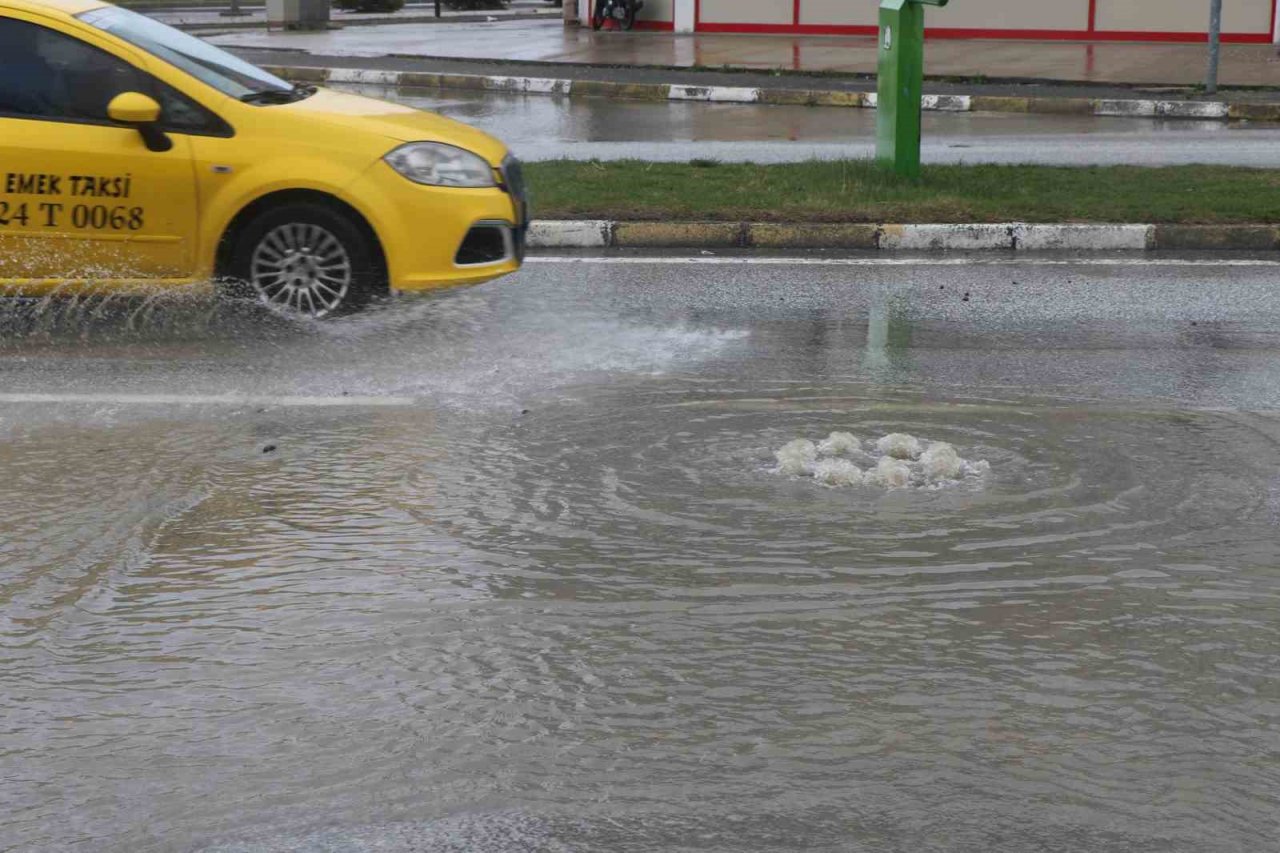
(301, 268)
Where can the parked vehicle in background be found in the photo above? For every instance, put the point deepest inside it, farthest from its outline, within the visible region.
(621, 12)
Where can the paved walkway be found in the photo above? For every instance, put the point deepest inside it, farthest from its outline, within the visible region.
(418, 15)
(548, 41)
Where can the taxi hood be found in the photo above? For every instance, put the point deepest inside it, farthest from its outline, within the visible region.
(394, 121)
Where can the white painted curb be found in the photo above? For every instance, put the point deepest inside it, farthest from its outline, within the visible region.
(364, 76)
(569, 234)
(716, 94)
(1203, 110)
(1208, 110)
(529, 85)
(929, 238)
(947, 103)
(1090, 238)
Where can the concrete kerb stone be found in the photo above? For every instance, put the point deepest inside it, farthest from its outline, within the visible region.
(528, 85)
(570, 234)
(947, 103)
(1216, 237)
(788, 97)
(1200, 110)
(364, 76)
(843, 99)
(679, 235)
(1132, 108)
(1000, 104)
(1082, 237)
(714, 94)
(816, 235)
(926, 237)
(1254, 112)
(962, 237)
(1062, 106)
(1126, 108)
(434, 80)
(302, 75)
(625, 91)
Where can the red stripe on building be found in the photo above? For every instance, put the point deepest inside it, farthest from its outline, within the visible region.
(964, 33)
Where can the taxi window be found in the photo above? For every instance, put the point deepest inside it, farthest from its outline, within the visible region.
(214, 66)
(46, 74)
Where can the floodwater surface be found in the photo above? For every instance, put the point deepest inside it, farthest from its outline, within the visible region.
(511, 568)
(540, 127)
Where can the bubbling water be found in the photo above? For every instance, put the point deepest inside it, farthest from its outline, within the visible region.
(895, 461)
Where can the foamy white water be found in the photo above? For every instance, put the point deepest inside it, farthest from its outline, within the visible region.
(899, 461)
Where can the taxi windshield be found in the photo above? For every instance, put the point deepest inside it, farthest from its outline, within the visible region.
(214, 66)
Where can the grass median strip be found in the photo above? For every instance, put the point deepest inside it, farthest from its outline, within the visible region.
(860, 191)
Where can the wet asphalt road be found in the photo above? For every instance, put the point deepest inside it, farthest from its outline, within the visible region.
(508, 568)
(543, 128)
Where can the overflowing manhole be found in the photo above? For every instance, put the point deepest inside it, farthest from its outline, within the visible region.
(894, 461)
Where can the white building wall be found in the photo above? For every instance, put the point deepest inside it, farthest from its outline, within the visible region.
(684, 14)
(840, 12)
(1007, 15)
(746, 11)
(1188, 16)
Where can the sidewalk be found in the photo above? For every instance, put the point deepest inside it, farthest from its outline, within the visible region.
(255, 18)
(1176, 66)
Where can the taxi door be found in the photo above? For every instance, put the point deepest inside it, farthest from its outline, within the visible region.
(82, 198)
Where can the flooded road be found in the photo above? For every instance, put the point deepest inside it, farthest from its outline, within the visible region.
(541, 127)
(510, 568)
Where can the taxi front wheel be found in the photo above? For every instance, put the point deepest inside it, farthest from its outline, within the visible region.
(307, 260)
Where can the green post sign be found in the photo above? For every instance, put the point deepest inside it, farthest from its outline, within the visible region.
(900, 73)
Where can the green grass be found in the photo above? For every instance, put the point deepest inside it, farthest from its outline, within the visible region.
(861, 191)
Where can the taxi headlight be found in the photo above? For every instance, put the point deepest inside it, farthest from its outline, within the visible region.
(440, 165)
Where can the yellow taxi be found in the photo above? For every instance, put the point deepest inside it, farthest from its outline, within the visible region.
(134, 155)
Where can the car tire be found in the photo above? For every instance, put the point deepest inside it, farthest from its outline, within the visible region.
(307, 260)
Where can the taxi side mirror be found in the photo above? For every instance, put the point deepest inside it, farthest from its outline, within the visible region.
(143, 113)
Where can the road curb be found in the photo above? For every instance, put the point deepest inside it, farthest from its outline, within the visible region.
(1104, 107)
(923, 237)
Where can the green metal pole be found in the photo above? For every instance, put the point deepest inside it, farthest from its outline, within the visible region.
(900, 72)
(900, 76)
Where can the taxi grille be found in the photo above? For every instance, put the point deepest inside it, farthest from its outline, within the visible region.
(484, 244)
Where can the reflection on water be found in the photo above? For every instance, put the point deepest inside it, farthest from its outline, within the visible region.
(596, 620)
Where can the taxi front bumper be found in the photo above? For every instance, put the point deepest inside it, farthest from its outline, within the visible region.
(437, 237)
